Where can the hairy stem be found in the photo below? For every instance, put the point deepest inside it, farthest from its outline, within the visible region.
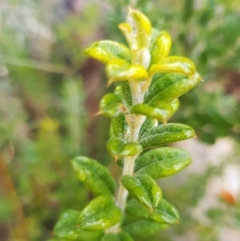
(138, 89)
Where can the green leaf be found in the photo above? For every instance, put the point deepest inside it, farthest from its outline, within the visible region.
(99, 214)
(119, 126)
(164, 213)
(174, 104)
(165, 134)
(115, 145)
(111, 105)
(117, 237)
(149, 123)
(174, 64)
(68, 228)
(144, 189)
(120, 162)
(138, 29)
(119, 70)
(160, 45)
(95, 176)
(119, 149)
(131, 149)
(106, 50)
(161, 110)
(140, 228)
(170, 86)
(162, 162)
(126, 91)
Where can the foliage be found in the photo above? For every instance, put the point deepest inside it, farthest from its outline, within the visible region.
(129, 108)
(208, 32)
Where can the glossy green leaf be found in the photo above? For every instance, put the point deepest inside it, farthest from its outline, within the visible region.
(115, 145)
(68, 228)
(144, 189)
(106, 50)
(118, 70)
(111, 105)
(119, 126)
(99, 214)
(162, 162)
(131, 149)
(160, 45)
(140, 228)
(117, 237)
(164, 213)
(165, 134)
(95, 176)
(174, 64)
(170, 86)
(119, 149)
(161, 111)
(148, 124)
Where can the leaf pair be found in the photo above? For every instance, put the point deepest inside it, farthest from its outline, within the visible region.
(99, 214)
(157, 163)
(144, 189)
(94, 175)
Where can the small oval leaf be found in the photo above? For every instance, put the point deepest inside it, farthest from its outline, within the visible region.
(119, 126)
(164, 213)
(174, 64)
(140, 29)
(144, 189)
(119, 70)
(170, 86)
(111, 105)
(162, 162)
(95, 176)
(115, 146)
(131, 149)
(126, 91)
(68, 227)
(161, 111)
(106, 50)
(160, 45)
(99, 214)
(165, 134)
(119, 149)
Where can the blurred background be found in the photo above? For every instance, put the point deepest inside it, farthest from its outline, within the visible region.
(49, 95)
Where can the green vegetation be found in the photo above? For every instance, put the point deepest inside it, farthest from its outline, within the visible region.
(49, 97)
(139, 113)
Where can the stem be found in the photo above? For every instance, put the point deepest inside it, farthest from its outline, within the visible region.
(135, 122)
(138, 89)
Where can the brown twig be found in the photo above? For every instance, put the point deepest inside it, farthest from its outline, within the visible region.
(19, 228)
